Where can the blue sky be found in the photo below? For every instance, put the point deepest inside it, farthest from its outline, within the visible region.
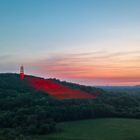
(38, 32)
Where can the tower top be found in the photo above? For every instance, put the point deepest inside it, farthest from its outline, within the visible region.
(22, 71)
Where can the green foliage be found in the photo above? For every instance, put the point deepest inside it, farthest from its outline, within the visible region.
(22, 108)
(26, 111)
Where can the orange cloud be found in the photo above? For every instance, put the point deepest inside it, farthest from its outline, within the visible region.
(123, 67)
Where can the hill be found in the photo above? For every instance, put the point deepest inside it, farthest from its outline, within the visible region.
(28, 108)
(53, 88)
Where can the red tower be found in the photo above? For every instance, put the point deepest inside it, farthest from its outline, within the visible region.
(21, 72)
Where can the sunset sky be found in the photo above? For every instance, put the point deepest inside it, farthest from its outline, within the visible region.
(92, 42)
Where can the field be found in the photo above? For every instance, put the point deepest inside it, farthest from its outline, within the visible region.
(98, 129)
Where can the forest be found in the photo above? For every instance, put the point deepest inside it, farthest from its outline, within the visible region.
(25, 111)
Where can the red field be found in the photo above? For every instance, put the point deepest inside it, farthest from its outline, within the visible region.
(57, 90)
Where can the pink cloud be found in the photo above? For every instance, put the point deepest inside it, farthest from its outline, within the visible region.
(107, 68)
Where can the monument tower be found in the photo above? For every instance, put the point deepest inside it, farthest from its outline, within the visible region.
(22, 72)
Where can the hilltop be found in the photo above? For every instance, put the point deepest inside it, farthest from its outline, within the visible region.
(53, 87)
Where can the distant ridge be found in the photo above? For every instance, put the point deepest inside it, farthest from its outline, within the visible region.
(137, 86)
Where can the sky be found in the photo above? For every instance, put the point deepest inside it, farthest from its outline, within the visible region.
(91, 42)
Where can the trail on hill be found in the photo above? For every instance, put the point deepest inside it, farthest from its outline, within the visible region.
(58, 90)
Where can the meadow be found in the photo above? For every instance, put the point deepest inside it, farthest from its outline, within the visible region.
(97, 129)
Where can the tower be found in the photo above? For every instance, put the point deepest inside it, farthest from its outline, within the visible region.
(22, 72)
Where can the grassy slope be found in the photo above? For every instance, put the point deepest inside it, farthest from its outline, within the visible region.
(98, 129)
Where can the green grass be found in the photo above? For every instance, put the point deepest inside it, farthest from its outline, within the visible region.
(98, 129)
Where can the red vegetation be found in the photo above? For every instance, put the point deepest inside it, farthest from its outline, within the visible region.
(58, 90)
(21, 75)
